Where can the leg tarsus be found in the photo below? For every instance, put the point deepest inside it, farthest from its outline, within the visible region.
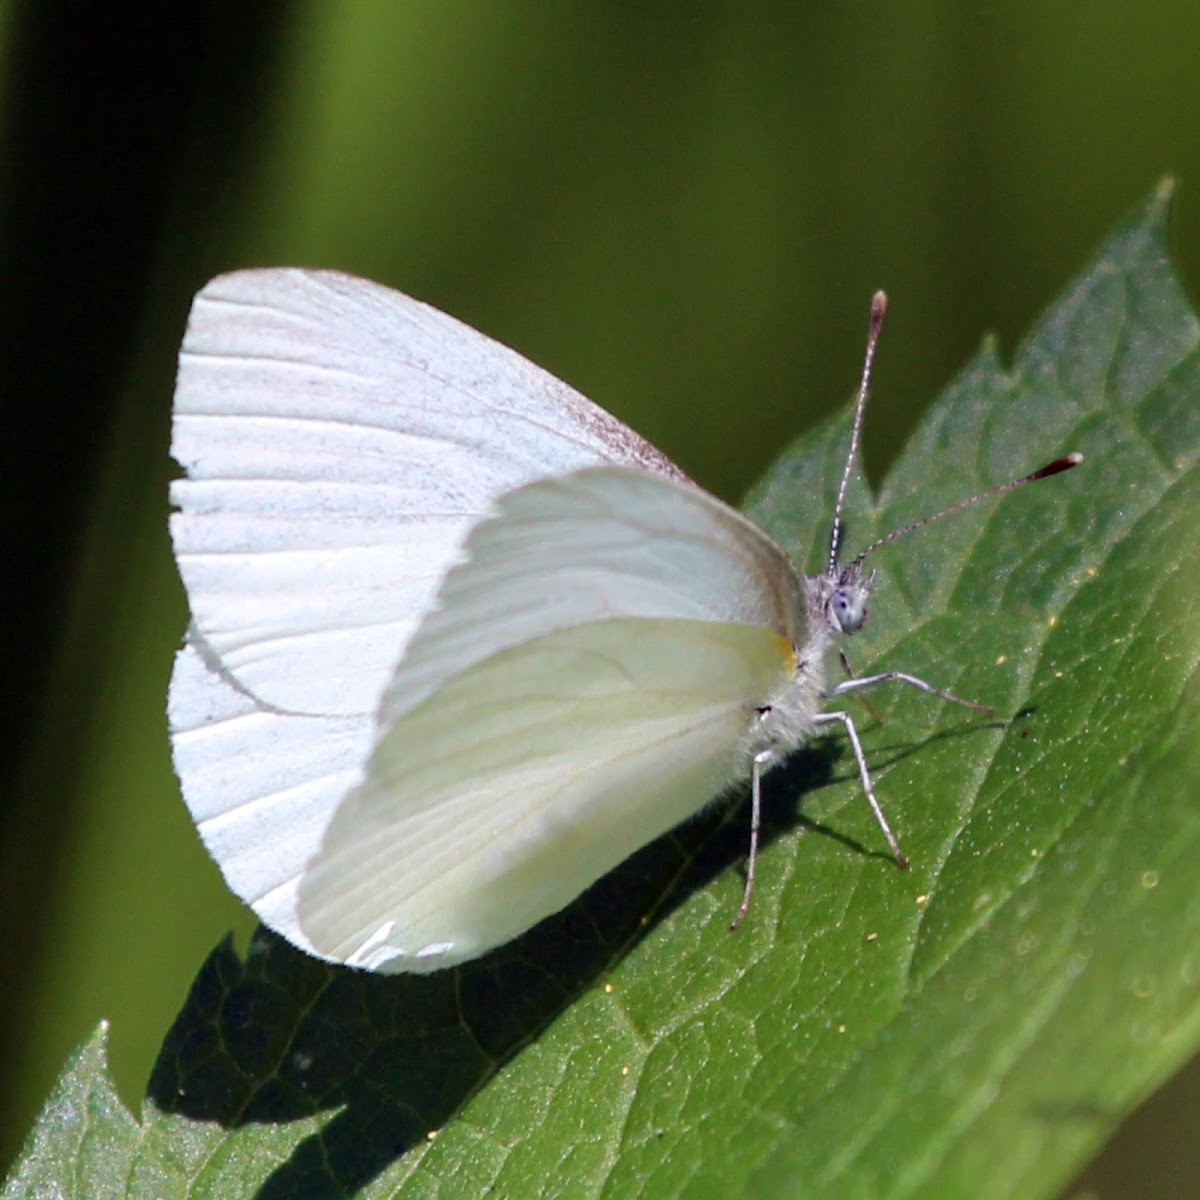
(760, 760)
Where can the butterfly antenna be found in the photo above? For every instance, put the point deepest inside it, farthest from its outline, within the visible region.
(878, 309)
(1054, 468)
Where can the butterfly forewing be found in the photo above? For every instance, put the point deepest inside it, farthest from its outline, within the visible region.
(340, 439)
(261, 786)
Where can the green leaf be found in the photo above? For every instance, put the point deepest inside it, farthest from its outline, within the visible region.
(972, 1027)
(85, 1140)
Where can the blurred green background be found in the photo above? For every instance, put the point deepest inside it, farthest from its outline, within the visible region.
(682, 215)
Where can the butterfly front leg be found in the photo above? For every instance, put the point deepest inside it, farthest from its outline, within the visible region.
(858, 683)
(866, 681)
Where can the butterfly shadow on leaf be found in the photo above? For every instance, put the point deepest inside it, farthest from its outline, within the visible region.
(279, 1037)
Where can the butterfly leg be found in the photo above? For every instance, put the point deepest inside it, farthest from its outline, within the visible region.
(762, 760)
(863, 773)
(865, 681)
(876, 715)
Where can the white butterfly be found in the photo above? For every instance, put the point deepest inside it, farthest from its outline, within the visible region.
(461, 641)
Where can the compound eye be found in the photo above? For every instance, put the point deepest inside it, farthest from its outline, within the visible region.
(849, 609)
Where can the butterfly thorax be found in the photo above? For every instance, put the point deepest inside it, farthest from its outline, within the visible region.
(837, 604)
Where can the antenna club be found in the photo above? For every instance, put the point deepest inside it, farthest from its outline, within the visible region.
(1059, 464)
(879, 303)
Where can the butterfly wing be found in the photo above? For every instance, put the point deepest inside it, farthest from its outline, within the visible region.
(260, 784)
(339, 439)
(519, 782)
(589, 546)
(588, 679)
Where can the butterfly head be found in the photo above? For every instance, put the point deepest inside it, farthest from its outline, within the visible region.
(838, 599)
(848, 597)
